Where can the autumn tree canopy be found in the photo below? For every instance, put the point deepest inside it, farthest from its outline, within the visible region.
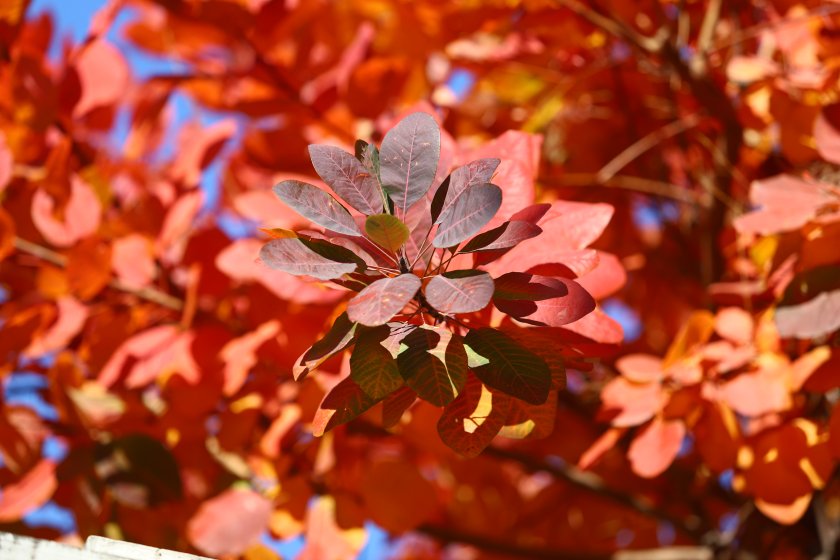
(423, 279)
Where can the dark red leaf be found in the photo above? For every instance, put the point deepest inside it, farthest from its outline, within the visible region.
(470, 422)
(505, 236)
(434, 364)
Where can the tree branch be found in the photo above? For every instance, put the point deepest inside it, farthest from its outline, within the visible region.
(626, 182)
(149, 294)
(593, 483)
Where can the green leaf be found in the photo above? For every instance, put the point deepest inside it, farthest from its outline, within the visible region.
(386, 231)
(371, 365)
(512, 368)
(433, 362)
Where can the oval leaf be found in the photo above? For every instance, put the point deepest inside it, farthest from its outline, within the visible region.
(409, 159)
(371, 365)
(317, 206)
(574, 303)
(506, 236)
(468, 214)
(460, 291)
(529, 287)
(376, 304)
(387, 231)
(434, 363)
(511, 368)
(293, 256)
(334, 341)
(347, 177)
(343, 403)
(475, 172)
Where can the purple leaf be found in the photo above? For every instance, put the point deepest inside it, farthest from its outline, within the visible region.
(471, 212)
(531, 214)
(347, 177)
(376, 304)
(460, 291)
(294, 256)
(506, 236)
(475, 172)
(409, 158)
(510, 368)
(317, 206)
(434, 364)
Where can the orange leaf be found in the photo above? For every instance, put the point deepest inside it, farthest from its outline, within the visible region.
(28, 493)
(653, 450)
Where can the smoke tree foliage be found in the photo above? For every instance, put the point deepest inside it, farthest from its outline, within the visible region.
(428, 320)
(672, 165)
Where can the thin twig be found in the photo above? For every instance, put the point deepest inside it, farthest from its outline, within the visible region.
(593, 483)
(626, 182)
(644, 144)
(149, 294)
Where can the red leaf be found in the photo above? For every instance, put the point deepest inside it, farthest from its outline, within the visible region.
(132, 261)
(640, 368)
(28, 493)
(653, 450)
(229, 523)
(71, 318)
(100, 89)
(143, 357)
(631, 404)
(240, 355)
(198, 148)
(388, 486)
(81, 215)
(470, 422)
(604, 443)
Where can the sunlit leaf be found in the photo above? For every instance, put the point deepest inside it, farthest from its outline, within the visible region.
(347, 177)
(387, 231)
(474, 173)
(461, 291)
(379, 302)
(408, 158)
(470, 212)
(317, 206)
(293, 256)
(470, 422)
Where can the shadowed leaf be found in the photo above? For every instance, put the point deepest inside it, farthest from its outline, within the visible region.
(434, 363)
(470, 422)
(511, 368)
(343, 403)
(372, 366)
(336, 339)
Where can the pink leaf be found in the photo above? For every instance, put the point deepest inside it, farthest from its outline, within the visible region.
(145, 354)
(132, 261)
(71, 318)
(633, 403)
(641, 368)
(735, 324)
(28, 493)
(81, 215)
(229, 523)
(198, 148)
(655, 448)
(606, 278)
(103, 74)
(240, 356)
(6, 163)
(760, 392)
